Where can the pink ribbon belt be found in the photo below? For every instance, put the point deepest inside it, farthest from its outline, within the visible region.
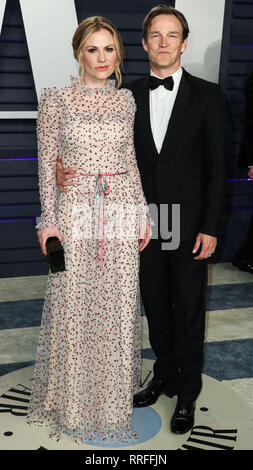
(102, 189)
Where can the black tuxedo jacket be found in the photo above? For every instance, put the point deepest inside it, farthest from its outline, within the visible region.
(246, 152)
(191, 167)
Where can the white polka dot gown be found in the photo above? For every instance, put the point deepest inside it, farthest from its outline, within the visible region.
(88, 356)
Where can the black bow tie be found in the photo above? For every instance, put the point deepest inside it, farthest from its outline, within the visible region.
(154, 82)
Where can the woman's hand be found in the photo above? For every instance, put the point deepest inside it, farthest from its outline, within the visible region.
(44, 233)
(145, 235)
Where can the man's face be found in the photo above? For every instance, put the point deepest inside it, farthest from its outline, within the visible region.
(165, 43)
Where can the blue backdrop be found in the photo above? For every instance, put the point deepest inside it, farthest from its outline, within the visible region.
(20, 254)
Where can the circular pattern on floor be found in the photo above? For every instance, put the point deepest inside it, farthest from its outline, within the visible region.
(223, 420)
(147, 423)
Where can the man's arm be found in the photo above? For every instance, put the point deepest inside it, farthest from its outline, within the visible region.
(65, 175)
(216, 152)
(216, 132)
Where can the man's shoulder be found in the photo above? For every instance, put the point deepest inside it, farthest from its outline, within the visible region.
(202, 86)
(201, 83)
(205, 90)
(135, 85)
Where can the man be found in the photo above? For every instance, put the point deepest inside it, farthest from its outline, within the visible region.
(243, 260)
(180, 142)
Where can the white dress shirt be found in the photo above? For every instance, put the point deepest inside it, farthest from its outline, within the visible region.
(161, 102)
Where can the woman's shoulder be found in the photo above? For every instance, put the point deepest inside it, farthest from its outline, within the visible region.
(48, 98)
(53, 96)
(54, 91)
(126, 93)
(129, 98)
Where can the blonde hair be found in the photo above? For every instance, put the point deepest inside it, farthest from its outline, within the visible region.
(85, 29)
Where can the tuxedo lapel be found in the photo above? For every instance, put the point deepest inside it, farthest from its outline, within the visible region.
(179, 109)
(143, 116)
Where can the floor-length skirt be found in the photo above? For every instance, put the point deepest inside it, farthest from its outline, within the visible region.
(89, 350)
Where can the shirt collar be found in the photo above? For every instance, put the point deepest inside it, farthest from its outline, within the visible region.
(176, 75)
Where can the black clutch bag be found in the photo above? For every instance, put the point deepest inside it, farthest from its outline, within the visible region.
(55, 255)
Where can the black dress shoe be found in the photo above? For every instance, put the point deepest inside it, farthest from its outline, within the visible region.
(243, 263)
(149, 396)
(183, 418)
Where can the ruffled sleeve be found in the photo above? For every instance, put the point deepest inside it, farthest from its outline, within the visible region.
(48, 125)
(132, 163)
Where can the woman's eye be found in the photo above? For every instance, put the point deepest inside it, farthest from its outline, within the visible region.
(91, 50)
(109, 49)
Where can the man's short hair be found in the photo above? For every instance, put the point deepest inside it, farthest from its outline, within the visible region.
(163, 9)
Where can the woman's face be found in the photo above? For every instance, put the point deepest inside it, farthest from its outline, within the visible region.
(99, 57)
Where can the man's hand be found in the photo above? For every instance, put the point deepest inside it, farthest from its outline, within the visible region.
(250, 173)
(208, 245)
(63, 175)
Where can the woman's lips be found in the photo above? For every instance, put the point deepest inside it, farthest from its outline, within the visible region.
(105, 67)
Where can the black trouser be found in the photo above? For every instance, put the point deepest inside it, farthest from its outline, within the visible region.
(246, 250)
(173, 288)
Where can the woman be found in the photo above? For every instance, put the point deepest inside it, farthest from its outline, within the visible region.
(88, 358)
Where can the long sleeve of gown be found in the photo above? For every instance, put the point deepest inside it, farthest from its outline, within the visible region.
(143, 208)
(48, 122)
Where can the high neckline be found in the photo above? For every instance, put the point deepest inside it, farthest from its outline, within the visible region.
(110, 85)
